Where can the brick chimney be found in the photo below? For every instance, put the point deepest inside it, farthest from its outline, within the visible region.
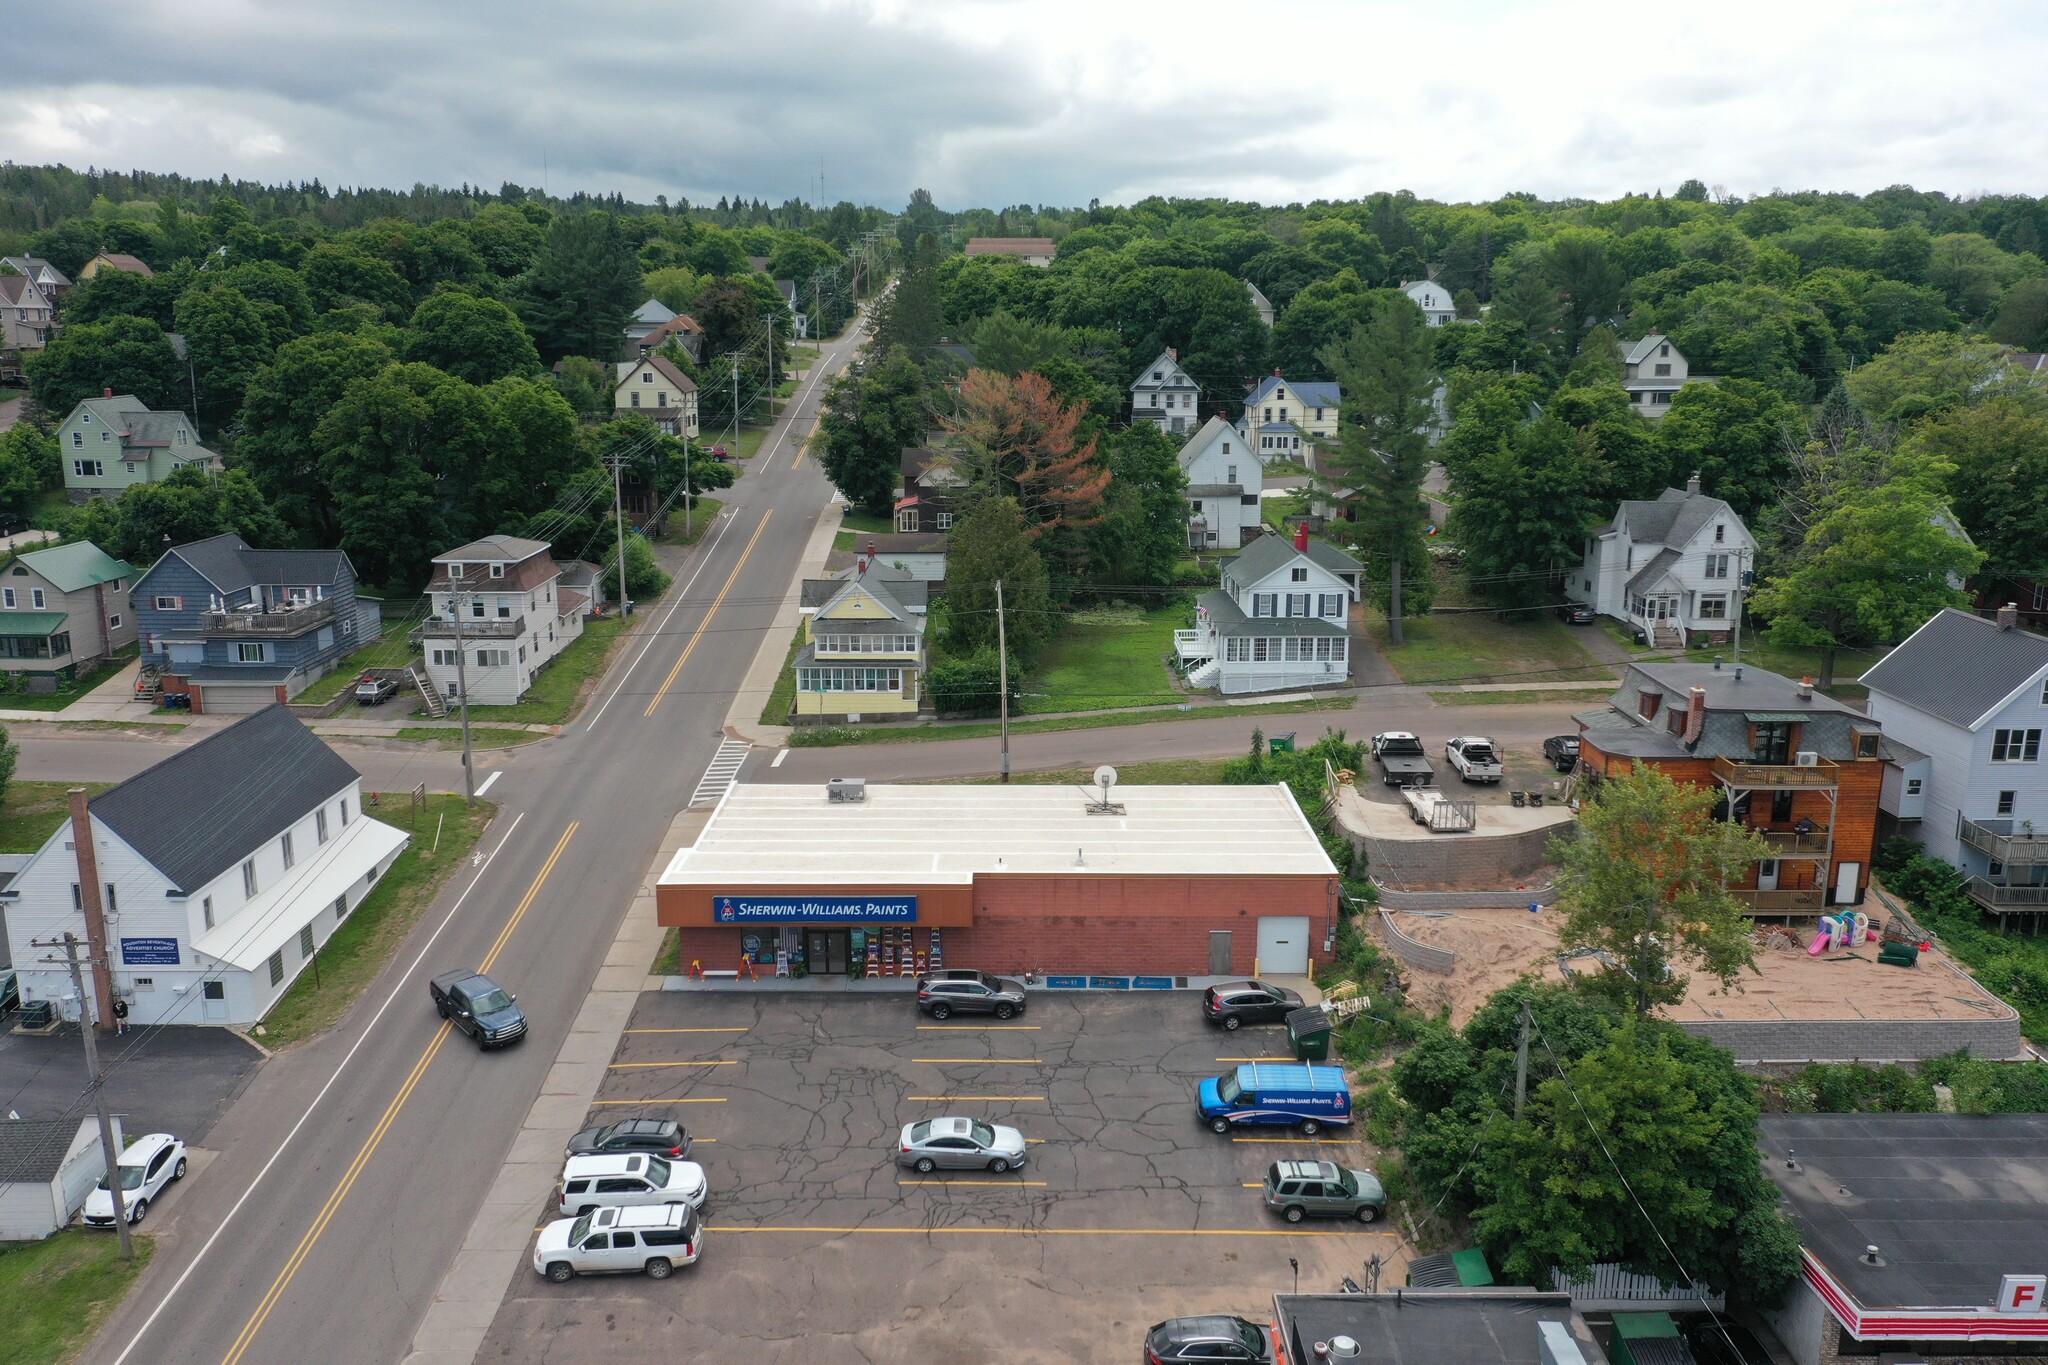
(1692, 485)
(2009, 616)
(1695, 715)
(1806, 688)
(107, 391)
(1301, 537)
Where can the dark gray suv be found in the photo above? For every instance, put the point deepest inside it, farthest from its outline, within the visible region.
(977, 994)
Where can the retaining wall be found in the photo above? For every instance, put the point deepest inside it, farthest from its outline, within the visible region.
(1858, 1040)
(1415, 952)
(1394, 898)
(1445, 860)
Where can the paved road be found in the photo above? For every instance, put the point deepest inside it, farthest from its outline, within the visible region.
(49, 755)
(352, 1166)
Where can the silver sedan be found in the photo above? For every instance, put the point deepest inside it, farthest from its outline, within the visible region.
(959, 1144)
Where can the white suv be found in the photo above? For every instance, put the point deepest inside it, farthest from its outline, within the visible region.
(619, 1241)
(595, 1182)
(150, 1164)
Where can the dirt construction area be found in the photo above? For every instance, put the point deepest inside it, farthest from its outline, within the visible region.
(1495, 947)
(819, 1248)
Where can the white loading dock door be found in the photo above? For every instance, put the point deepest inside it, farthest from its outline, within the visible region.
(1283, 945)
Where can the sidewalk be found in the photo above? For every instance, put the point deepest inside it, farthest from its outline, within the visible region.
(743, 720)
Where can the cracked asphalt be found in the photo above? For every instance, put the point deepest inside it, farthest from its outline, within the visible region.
(819, 1248)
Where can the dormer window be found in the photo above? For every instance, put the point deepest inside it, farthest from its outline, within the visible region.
(1158, 375)
(1647, 703)
(497, 570)
(1280, 393)
(1720, 534)
(1664, 350)
(1299, 574)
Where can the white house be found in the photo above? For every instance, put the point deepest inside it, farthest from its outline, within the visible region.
(1280, 619)
(646, 318)
(1653, 371)
(1224, 482)
(1433, 299)
(500, 599)
(1283, 420)
(1261, 305)
(1164, 395)
(1971, 696)
(223, 869)
(47, 1168)
(26, 314)
(653, 387)
(1671, 568)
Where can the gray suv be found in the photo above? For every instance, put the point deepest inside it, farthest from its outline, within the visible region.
(1298, 1189)
(977, 994)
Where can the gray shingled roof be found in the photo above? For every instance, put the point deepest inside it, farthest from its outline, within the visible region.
(1654, 570)
(1958, 667)
(201, 811)
(1268, 553)
(33, 1150)
(227, 562)
(902, 587)
(1229, 619)
(1674, 518)
(511, 549)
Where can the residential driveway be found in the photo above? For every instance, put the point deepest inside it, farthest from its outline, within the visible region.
(819, 1248)
(167, 1080)
(10, 412)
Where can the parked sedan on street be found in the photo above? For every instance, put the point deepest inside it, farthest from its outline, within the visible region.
(1208, 1338)
(663, 1137)
(979, 994)
(1562, 751)
(151, 1162)
(1234, 1004)
(959, 1144)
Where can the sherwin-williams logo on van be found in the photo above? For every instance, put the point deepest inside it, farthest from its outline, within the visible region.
(814, 909)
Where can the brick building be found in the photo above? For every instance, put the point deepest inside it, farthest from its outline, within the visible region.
(1168, 881)
(1801, 769)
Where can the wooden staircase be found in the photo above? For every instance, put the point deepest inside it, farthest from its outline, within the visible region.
(1667, 637)
(437, 707)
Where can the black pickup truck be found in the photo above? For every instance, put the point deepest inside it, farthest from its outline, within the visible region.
(479, 1007)
(1402, 760)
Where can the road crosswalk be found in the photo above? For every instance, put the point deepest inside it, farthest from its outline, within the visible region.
(723, 771)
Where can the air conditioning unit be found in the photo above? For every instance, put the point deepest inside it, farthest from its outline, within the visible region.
(1806, 758)
(846, 789)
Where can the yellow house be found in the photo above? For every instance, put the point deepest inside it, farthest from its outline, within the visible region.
(863, 653)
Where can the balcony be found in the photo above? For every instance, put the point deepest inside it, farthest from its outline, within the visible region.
(1996, 841)
(1801, 901)
(441, 629)
(1777, 776)
(1791, 844)
(2006, 899)
(282, 623)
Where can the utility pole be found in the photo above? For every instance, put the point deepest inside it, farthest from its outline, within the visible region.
(1522, 1064)
(688, 455)
(768, 321)
(735, 358)
(1741, 582)
(69, 943)
(88, 855)
(462, 698)
(1003, 678)
(618, 462)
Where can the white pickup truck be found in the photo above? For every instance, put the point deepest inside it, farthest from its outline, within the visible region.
(1474, 757)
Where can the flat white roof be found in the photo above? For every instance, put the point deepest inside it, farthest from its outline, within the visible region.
(774, 834)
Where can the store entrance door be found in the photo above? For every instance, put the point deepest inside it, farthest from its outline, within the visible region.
(825, 951)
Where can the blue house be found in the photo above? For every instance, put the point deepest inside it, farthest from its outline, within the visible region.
(240, 628)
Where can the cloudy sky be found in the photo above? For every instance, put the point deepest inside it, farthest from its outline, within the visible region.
(1045, 101)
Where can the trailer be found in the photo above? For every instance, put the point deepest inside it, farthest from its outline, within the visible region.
(1428, 806)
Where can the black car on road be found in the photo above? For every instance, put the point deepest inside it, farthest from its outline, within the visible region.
(479, 1007)
(1237, 1003)
(1208, 1338)
(1562, 751)
(664, 1137)
(970, 993)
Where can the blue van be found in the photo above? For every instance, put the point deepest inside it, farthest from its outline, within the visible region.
(1268, 1094)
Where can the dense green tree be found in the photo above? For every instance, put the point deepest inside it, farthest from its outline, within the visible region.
(1926, 368)
(191, 504)
(994, 543)
(1735, 435)
(280, 296)
(587, 283)
(1586, 278)
(1971, 272)
(125, 354)
(1752, 331)
(338, 276)
(506, 240)
(1324, 314)
(586, 384)
(1999, 450)
(1004, 342)
(1143, 533)
(539, 454)
(675, 287)
(911, 317)
(867, 423)
(281, 411)
(117, 293)
(2023, 315)
(1622, 446)
(1520, 512)
(472, 338)
(226, 342)
(68, 246)
(29, 463)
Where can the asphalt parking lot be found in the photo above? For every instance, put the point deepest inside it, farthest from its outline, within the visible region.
(820, 1248)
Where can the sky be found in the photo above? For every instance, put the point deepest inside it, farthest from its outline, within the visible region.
(999, 102)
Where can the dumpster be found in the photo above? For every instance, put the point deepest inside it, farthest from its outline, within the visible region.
(1309, 1031)
(1282, 743)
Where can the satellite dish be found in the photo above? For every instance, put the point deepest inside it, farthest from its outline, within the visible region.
(1105, 777)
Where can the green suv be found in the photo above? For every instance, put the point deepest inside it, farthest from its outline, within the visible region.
(1297, 1189)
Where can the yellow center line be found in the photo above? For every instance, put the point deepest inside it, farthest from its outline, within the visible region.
(980, 1028)
(983, 1184)
(723, 1229)
(705, 624)
(816, 422)
(362, 1158)
(526, 902)
(659, 1099)
(652, 1066)
(980, 1061)
(946, 1099)
(686, 1030)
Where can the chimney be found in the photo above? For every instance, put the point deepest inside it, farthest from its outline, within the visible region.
(1806, 688)
(1301, 537)
(1692, 485)
(107, 391)
(2009, 616)
(1695, 715)
(1172, 353)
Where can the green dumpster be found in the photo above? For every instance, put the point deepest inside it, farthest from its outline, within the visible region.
(1634, 1333)
(1309, 1030)
(1282, 743)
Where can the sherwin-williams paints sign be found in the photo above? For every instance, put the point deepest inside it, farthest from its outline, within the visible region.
(814, 909)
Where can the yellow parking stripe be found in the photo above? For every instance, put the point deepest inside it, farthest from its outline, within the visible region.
(657, 1066)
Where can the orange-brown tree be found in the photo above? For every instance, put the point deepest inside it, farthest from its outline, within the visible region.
(1016, 440)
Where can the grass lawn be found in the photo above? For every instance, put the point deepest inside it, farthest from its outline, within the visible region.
(1576, 696)
(70, 690)
(1102, 660)
(668, 958)
(480, 736)
(1169, 772)
(58, 1291)
(130, 727)
(393, 651)
(829, 737)
(49, 509)
(1275, 511)
(1480, 647)
(1757, 652)
(557, 688)
(364, 942)
(856, 525)
(701, 516)
(782, 696)
(31, 811)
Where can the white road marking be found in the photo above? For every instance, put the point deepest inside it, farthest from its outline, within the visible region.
(724, 770)
(780, 754)
(489, 780)
(726, 519)
(368, 1029)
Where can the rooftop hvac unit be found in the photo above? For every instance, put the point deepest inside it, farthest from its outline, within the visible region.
(1806, 758)
(846, 789)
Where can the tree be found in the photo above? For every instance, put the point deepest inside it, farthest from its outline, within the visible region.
(2023, 315)
(1018, 443)
(338, 276)
(1753, 331)
(127, 355)
(586, 285)
(1386, 371)
(1645, 880)
(1877, 563)
(868, 422)
(1999, 450)
(1923, 369)
(1004, 342)
(114, 293)
(1733, 435)
(281, 411)
(470, 337)
(190, 504)
(585, 383)
(536, 459)
(29, 463)
(226, 342)
(1623, 444)
(1521, 512)
(1143, 533)
(911, 316)
(993, 544)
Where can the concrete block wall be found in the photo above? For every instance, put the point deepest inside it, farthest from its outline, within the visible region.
(1452, 861)
(1867, 1040)
(1414, 952)
(1395, 898)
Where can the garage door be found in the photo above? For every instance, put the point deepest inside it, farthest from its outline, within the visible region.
(1283, 945)
(229, 699)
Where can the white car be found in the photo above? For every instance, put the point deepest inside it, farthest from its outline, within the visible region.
(1474, 757)
(618, 1242)
(150, 1163)
(635, 1178)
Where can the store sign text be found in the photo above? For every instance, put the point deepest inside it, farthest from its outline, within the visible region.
(814, 909)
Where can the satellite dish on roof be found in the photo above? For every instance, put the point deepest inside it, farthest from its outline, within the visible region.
(1105, 778)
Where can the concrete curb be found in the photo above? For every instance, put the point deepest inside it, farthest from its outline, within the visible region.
(743, 721)
(494, 1248)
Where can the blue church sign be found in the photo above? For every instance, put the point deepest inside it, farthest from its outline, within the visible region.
(814, 909)
(149, 952)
